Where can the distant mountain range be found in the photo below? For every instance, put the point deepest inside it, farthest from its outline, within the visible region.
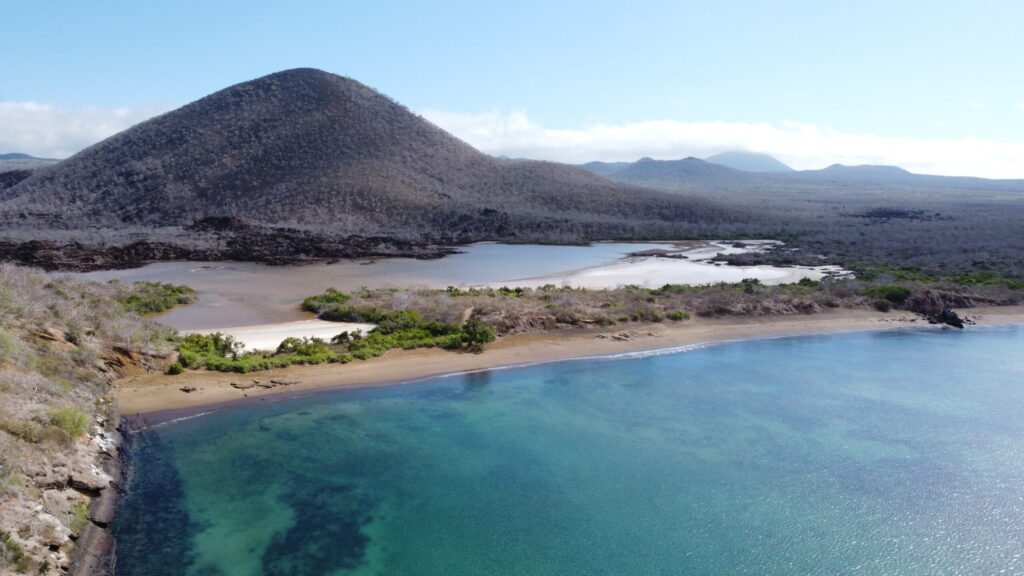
(18, 161)
(694, 174)
(737, 160)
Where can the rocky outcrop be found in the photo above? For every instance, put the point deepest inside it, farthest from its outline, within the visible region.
(252, 244)
(936, 306)
(947, 317)
(64, 530)
(64, 340)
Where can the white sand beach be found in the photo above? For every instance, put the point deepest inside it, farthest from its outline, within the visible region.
(690, 266)
(268, 336)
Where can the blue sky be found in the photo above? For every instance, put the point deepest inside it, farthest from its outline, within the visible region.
(933, 86)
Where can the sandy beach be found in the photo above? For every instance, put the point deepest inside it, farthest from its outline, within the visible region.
(691, 265)
(150, 398)
(650, 272)
(269, 336)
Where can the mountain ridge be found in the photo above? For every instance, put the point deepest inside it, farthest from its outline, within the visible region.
(685, 173)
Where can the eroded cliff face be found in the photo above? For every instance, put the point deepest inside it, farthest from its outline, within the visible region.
(62, 342)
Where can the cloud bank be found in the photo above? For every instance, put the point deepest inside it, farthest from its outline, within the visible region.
(52, 131)
(802, 146)
(49, 131)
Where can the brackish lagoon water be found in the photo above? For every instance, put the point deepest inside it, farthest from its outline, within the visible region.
(241, 294)
(244, 293)
(895, 453)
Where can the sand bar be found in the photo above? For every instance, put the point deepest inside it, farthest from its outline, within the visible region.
(653, 272)
(155, 397)
(691, 265)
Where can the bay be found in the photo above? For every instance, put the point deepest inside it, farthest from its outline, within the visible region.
(890, 452)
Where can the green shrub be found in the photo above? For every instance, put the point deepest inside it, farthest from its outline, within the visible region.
(363, 354)
(154, 297)
(748, 285)
(893, 294)
(10, 348)
(175, 369)
(188, 359)
(883, 305)
(511, 292)
(351, 314)
(15, 554)
(74, 421)
(10, 481)
(331, 299)
(24, 431)
(6, 297)
(79, 518)
(678, 315)
(476, 333)
(210, 345)
(450, 341)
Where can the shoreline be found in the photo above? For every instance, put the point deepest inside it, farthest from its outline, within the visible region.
(149, 399)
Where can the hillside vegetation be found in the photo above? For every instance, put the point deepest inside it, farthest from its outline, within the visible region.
(323, 155)
(303, 164)
(62, 341)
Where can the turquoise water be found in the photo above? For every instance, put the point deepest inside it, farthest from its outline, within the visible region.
(897, 453)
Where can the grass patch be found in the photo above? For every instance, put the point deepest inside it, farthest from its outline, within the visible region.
(323, 301)
(893, 294)
(79, 518)
(74, 421)
(14, 554)
(678, 315)
(22, 430)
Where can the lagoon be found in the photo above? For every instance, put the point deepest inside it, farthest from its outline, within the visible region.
(886, 452)
(235, 294)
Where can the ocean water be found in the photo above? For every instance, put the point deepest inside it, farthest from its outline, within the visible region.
(876, 453)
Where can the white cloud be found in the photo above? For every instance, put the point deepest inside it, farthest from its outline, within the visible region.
(978, 105)
(51, 131)
(57, 132)
(802, 146)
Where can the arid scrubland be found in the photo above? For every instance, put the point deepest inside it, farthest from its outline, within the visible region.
(62, 341)
(512, 310)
